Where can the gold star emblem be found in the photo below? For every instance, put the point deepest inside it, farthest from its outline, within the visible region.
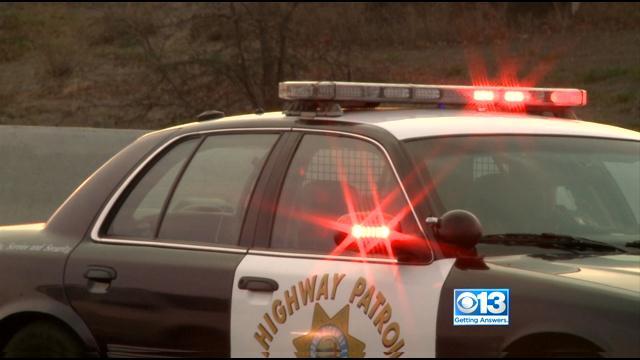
(329, 337)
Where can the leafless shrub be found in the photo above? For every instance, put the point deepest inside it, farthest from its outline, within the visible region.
(14, 42)
(118, 25)
(608, 16)
(59, 57)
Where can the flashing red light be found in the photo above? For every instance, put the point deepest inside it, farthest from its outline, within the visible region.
(370, 232)
(483, 95)
(568, 98)
(512, 96)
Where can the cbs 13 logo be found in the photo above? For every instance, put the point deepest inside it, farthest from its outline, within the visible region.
(481, 301)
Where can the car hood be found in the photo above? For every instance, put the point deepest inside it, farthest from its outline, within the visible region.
(619, 271)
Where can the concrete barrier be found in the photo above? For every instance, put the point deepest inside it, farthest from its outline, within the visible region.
(41, 166)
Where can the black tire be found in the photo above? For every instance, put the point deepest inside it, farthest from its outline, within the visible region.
(43, 339)
(568, 352)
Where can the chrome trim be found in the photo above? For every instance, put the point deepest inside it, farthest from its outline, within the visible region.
(95, 234)
(95, 231)
(172, 245)
(323, 257)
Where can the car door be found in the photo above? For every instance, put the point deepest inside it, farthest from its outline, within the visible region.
(326, 276)
(155, 279)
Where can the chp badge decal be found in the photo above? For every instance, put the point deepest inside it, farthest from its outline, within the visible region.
(330, 335)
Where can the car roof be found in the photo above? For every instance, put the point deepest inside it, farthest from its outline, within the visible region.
(407, 124)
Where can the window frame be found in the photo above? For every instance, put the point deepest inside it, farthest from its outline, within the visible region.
(98, 231)
(133, 185)
(266, 223)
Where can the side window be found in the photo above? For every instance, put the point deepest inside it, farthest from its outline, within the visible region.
(139, 214)
(209, 202)
(337, 191)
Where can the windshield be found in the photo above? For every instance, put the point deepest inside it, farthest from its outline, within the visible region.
(581, 187)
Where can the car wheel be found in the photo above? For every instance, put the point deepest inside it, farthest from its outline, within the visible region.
(43, 339)
(568, 352)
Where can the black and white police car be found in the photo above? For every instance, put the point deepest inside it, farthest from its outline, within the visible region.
(366, 219)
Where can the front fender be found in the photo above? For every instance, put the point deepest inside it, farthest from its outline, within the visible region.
(539, 303)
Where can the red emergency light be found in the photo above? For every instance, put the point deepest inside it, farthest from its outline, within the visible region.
(370, 232)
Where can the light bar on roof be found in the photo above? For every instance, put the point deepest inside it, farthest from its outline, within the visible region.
(484, 95)
(359, 92)
(334, 91)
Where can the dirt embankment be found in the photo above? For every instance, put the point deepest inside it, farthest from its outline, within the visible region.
(154, 65)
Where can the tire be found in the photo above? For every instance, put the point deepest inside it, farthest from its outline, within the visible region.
(546, 345)
(43, 339)
(569, 352)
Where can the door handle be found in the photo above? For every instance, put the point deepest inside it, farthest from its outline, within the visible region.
(100, 274)
(252, 283)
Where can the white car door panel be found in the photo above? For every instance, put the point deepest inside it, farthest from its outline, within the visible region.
(338, 193)
(336, 308)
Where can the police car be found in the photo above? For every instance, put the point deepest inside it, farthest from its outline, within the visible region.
(380, 220)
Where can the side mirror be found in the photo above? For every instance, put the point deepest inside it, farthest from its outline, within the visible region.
(458, 227)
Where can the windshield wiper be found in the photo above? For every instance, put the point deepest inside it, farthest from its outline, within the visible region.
(549, 240)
